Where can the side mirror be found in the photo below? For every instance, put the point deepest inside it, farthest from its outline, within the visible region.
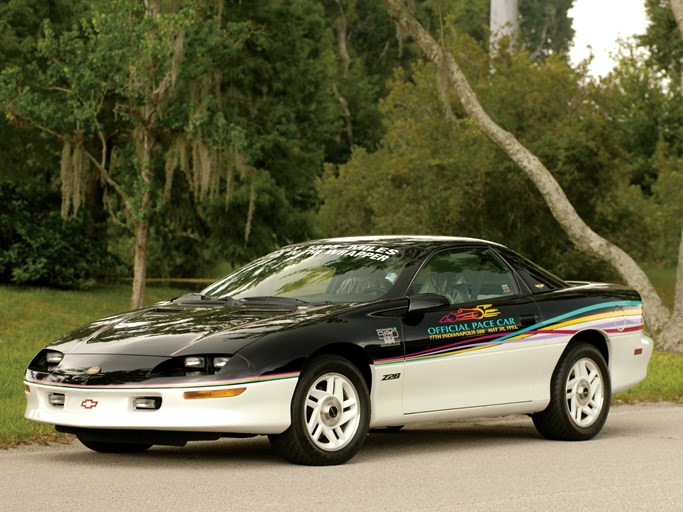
(426, 302)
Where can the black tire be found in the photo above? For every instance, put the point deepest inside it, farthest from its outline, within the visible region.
(580, 392)
(326, 431)
(105, 447)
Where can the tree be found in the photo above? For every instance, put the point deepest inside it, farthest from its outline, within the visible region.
(546, 26)
(663, 37)
(106, 94)
(669, 325)
(457, 182)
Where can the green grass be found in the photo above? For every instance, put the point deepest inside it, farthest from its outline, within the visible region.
(664, 281)
(30, 318)
(664, 381)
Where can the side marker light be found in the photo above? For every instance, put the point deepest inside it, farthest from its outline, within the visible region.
(214, 393)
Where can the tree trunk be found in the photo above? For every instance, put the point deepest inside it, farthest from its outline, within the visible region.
(140, 264)
(677, 8)
(656, 314)
(143, 144)
(672, 335)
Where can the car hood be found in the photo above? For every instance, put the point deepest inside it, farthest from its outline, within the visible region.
(169, 329)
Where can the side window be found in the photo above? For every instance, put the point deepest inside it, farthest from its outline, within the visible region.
(467, 274)
(538, 279)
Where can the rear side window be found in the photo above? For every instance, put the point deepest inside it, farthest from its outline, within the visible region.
(536, 278)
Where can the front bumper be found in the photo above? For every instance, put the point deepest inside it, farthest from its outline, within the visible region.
(263, 408)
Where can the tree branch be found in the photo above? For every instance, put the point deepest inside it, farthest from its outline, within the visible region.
(110, 181)
(347, 115)
(42, 128)
(677, 8)
(341, 29)
(672, 336)
(578, 231)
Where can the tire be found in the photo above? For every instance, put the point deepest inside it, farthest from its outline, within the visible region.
(104, 447)
(330, 415)
(580, 392)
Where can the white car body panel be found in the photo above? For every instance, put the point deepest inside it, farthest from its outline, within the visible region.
(264, 408)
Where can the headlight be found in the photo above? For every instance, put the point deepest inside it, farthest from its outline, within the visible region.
(220, 361)
(191, 366)
(200, 361)
(53, 357)
(194, 362)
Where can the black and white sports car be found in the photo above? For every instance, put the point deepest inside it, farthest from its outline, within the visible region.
(317, 343)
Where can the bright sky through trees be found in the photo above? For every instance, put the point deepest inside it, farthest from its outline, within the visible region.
(598, 24)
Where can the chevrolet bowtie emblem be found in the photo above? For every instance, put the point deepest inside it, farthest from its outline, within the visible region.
(88, 403)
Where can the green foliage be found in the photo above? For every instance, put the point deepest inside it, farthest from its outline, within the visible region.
(280, 92)
(27, 159)
(646, 113)
(546, 27)
(20, 22)
(435, 176)
(37, 247)
(247, 108)
(663, 40)
(260, 88)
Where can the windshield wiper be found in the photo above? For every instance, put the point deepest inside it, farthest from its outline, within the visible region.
(204, 300)
(273, 299)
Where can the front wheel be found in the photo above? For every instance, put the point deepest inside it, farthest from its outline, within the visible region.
(579, 396)
(330, 415)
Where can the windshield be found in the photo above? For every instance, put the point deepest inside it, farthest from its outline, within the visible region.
(339, 273)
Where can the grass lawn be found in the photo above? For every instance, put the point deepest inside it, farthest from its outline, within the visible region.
(33, 317)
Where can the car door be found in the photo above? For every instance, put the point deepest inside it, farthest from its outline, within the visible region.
(469, 353)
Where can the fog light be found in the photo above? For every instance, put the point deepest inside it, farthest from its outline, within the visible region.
(147, 402)
(220, 361)
(194, 362)
(56, 399)
(54, 357)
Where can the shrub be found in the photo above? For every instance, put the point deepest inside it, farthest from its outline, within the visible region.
(37, 247)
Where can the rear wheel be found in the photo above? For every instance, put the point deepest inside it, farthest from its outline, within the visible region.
(330, 415)
(579, 396)
(105, 447)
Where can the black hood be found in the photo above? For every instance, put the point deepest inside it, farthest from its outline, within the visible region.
(169, 329)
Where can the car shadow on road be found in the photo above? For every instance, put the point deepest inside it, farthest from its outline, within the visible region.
(438, 437)
(256, 451)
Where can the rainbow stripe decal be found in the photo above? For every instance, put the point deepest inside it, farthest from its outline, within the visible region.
(203, 385)
(558, 327)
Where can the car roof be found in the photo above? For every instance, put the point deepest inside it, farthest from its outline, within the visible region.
(402, 240)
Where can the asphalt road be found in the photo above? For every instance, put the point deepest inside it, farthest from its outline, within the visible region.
(635, 464)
